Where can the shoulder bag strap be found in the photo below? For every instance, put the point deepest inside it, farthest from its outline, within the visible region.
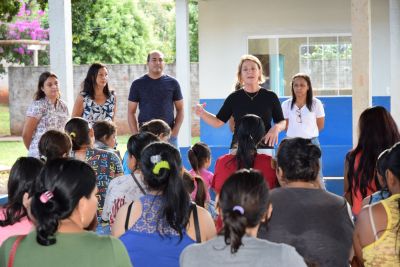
(128, 214)
(138, 184)
(13, 250)
(196, 222)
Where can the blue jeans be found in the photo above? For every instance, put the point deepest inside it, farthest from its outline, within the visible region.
(315, 141)
(173, 140)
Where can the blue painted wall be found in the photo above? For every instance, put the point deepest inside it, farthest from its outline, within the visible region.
(336, 138)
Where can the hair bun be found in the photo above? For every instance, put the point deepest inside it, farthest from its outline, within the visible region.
(314, 151)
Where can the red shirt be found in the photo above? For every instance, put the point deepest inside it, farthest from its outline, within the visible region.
(357, 196)
(226, 165)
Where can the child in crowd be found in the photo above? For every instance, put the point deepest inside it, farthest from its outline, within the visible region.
(190, 182)
(105, 136)
(106, 164)
(54, 144)
(157, 127)
(129, 187)
(200, 159)
(244, 204)
(14, 215)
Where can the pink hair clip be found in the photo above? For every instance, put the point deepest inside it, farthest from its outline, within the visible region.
(46, 196)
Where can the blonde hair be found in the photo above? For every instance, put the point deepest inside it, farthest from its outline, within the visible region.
(254, 59)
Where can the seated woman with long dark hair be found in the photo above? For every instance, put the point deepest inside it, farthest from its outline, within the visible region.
(316, 222)
(376, 237)
(244, 203)
(377, 131)
(14, 218)
(163, 222)
(250, 133)
(64, 203)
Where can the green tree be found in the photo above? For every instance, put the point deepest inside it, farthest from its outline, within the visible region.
(113, 32)
(194, 30)
(8, 9)
(110, 31)
(160, 18)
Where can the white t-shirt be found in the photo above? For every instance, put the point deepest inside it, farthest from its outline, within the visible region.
(302, 122)
(121, 190)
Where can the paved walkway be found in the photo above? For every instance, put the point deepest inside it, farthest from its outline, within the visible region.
(10, 138)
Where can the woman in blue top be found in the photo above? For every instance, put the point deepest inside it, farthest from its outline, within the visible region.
(163, 222)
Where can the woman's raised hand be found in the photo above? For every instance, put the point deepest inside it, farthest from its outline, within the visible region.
(199, 109)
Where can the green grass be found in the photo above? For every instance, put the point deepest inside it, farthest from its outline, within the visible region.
(4, 120)
(195, 139)
(11, 151)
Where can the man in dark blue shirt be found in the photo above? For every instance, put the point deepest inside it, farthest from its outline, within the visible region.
(156, 94)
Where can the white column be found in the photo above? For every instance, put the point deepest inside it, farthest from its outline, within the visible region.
(183, 67)
(361, 59)
(394, 14)
(61, 47)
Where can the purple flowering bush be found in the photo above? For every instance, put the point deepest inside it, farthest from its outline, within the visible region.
(30, 23)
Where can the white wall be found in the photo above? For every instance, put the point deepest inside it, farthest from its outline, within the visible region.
(225, 25)
(380, 42)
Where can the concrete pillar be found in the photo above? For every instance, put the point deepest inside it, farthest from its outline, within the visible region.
(61, 47)
(361, 59)
(394, 9)
(183, 67)
(275, 75)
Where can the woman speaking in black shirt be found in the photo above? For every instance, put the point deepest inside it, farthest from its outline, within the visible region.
(250, 99)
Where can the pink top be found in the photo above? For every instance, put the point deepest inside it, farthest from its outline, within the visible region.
(207, 177)
(23, 227)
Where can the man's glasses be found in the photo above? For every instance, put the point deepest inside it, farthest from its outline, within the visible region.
(298, 116)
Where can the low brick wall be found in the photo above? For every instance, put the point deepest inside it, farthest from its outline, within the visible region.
(23, 82)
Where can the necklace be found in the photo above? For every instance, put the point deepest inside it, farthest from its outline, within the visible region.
(251, 97)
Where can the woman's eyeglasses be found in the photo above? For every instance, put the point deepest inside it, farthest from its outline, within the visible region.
(298, 116)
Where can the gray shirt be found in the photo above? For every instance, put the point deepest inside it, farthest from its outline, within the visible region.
(254, 252)
(315, 222)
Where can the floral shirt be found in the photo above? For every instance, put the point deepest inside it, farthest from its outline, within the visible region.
(93, 112)
(107, 166)
(50, 117)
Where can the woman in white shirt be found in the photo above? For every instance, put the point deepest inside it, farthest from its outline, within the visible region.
(304, 114)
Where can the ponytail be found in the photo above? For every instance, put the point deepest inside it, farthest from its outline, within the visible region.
(161, 166)
(59, 188)
(201, 194)
(193, 160)
(47, 218)
(246, 153)
(243, 201)
(250, 132)
(234, 228)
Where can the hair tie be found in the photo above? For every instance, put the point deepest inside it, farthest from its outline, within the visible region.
(240, 209)
(46, 196)
(72, 135)
(158, 164)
